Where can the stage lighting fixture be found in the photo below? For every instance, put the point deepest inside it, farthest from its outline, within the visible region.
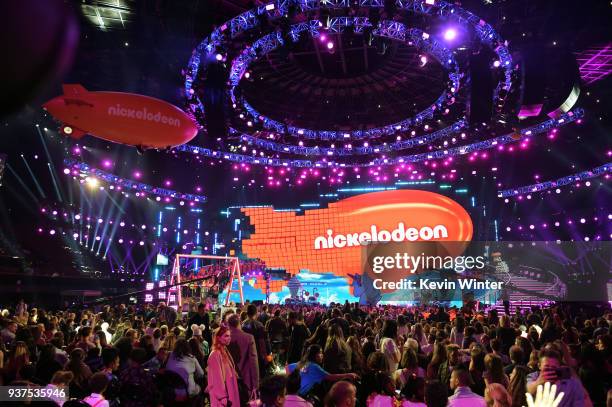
(496, 64)
(423, 60)
(330, 45)
(66, 171)
(450, 34)
(219, 57)
(92, 182)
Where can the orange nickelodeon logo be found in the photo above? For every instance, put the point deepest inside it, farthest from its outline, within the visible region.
(331, 240)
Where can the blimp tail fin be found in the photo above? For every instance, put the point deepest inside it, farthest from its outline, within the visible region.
(73, 89)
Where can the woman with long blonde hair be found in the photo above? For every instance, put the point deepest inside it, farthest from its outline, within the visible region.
(222, 376)
(337, 353)
(19, 358)
(169, 342)
(497, 396)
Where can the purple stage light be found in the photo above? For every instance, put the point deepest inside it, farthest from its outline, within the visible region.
(450, 34)
(107, 163)
(330, 45)
(595, 63)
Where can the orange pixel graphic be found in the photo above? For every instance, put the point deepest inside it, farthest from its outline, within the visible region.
(287, 240)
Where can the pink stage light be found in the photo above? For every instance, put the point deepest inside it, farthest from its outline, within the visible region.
(450, 34)
(595, 63)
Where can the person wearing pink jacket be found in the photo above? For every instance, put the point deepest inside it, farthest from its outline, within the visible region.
(222, 376)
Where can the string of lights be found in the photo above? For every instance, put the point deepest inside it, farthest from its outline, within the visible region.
(567, 180)
(349, 149)
(93, 175)
(384, 161)
(213, 48)
(388, 29)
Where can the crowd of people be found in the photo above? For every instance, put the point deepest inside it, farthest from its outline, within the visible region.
(344, 355)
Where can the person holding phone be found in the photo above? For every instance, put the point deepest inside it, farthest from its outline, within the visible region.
(552, 371)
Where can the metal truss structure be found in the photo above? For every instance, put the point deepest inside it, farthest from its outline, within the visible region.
(570, 179)
(255, 19)
(451, 152)
(344, 151)
(174, 295)
(388, 29)
(129, 185)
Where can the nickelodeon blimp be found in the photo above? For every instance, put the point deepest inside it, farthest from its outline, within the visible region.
(125, 118)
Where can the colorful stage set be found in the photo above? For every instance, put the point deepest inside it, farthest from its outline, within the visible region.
(305, 136)
(320, 256)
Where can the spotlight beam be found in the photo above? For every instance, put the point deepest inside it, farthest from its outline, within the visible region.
(23, 184)
(105, 229)
(318, 52)
(55, 185)
(49, 161)
(38, 187)
(84, 196)
(115, 225)
(100, 212)
(115, 203)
